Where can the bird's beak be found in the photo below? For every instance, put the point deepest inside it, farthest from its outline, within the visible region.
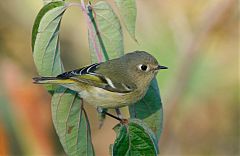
(161, 67)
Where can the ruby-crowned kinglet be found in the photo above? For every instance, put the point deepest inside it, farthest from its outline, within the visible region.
(111, 84)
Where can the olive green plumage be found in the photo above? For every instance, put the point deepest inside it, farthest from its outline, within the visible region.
(111, 84)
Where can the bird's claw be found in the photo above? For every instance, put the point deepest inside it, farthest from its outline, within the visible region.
(124, 121)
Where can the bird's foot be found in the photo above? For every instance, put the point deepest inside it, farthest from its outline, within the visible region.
(118, 112)
(124, 121)
(118, 117)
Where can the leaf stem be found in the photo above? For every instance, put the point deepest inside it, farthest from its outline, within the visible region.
(90, 14)
(91, 32)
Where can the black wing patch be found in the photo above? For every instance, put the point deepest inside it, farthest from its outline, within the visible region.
(85, 70)
(105, 82)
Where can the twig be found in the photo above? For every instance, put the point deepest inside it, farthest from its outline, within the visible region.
(90, 14)
(91, 32)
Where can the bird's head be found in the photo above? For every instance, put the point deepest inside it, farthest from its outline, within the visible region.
(142, 66)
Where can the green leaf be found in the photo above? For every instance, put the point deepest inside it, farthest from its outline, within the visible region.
(69, 118)
(49, 1)
(71, 123)
(149, 109)
(45, 40)
(128, 12)
(134, 138)
(110, 40)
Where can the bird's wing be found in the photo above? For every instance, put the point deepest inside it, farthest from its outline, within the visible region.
(88, 75)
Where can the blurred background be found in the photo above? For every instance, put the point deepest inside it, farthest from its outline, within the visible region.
(198, 40)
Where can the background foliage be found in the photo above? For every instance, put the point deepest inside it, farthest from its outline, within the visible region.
(197, 40)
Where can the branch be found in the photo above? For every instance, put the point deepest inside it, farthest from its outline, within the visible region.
(90, 14)
(91, 32)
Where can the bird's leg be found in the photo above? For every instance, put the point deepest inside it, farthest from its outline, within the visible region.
(118, 112)
(119, 117)
(100, 110)
(101, 116)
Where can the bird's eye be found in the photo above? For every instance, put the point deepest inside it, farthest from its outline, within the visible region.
(143, 67)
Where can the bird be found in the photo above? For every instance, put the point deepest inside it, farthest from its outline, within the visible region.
(112, 84)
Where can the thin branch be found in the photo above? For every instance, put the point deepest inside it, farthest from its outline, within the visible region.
(91, 32)
(90, 14)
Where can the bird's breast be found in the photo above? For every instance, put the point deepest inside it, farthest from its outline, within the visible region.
(99, 97)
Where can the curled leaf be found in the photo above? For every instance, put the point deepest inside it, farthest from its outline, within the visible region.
(49, 1)
(134, 138)
(128, 12)
(69, 117)
(45, 40)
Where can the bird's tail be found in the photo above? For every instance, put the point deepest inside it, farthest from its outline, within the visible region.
(51, 80)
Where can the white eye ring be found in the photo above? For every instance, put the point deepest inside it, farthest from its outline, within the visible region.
(143, 67)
